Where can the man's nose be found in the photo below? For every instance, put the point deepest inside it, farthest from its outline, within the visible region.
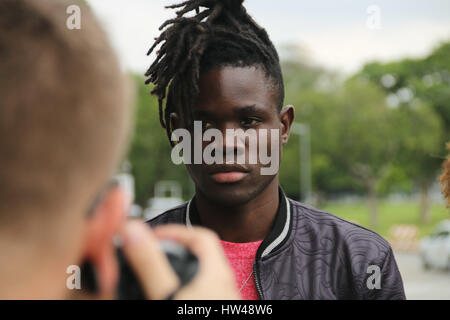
(233, 143)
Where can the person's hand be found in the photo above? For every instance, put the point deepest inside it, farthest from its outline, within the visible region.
(214, 279)
(153, 270)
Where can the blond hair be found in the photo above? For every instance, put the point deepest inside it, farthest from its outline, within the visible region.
(63, 113)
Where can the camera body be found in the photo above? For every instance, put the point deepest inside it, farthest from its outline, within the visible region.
(182, 261)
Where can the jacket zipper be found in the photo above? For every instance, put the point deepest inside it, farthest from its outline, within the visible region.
(258, 286)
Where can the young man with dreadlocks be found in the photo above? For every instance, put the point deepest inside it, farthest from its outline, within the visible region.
(63, 133)
(217, 66)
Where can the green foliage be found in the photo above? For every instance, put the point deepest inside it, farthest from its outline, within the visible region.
(150, 150)
(423, 115)
(401, 213)
(358, 138)
(364, 138)
(428, 79)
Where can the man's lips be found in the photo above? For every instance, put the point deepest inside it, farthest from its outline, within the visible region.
(229, 177)
(229, 173)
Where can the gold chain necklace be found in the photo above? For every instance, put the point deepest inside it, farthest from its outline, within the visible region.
(245, 282)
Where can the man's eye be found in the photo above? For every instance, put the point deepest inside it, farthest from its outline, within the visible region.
(250, 122)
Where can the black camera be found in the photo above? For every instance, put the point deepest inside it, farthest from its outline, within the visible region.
(183, 262)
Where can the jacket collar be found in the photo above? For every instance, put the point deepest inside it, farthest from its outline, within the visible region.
(278, 234)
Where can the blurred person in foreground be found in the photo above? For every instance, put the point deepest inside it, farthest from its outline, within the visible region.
(65, 118)
(217, 66)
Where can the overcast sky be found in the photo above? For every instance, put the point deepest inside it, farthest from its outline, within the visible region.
(335, 34)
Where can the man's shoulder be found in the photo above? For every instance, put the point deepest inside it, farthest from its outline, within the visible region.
(352, 251)
(175, 215)
(338, 233)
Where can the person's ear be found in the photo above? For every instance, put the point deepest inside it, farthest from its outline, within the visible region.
(101, 228)
(286, 119)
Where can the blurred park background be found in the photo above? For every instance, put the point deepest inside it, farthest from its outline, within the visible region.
(371, 82)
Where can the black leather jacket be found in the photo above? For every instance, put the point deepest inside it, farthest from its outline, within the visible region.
(312, 254)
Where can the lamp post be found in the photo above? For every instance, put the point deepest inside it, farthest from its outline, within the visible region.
(302, 130)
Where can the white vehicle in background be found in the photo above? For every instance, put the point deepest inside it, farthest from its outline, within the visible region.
(435, 249)
(125, 181)
(167, 195)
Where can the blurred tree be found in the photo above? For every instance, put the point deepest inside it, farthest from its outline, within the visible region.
(353, 135)
(412, 85)
(363, 138)
(150, 150)
(420, 142)
(380, 131)
(312, 90)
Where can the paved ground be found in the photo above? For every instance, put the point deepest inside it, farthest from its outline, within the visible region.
(420, 284)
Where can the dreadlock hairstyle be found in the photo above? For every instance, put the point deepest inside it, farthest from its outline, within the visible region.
(206, 34)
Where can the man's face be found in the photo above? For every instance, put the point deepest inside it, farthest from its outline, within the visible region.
(237, 98)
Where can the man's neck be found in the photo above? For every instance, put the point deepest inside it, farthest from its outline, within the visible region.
(244, 223)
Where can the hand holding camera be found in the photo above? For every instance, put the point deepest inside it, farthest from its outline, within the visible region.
(161, 278)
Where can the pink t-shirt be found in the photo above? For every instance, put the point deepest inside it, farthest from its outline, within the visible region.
(241, 257)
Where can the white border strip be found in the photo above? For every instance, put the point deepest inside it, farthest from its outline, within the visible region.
(283, 234)
(188, 218)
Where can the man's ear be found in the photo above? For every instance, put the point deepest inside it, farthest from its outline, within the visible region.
(101, 227)
(286, 119)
